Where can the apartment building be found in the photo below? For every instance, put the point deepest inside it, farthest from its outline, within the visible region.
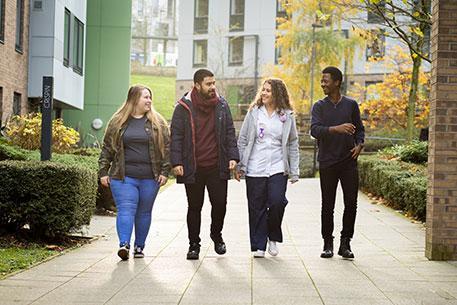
(236, 39)
(14, 52)
(57, 49)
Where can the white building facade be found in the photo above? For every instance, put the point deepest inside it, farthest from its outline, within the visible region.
(57, 48)
(236, 40)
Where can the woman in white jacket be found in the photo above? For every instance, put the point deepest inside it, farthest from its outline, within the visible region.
(268, 146)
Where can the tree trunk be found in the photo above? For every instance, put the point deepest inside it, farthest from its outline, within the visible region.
(413, 98)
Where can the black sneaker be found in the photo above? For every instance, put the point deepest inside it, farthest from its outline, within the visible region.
(194, 251)
(123, 252)
(138, 252)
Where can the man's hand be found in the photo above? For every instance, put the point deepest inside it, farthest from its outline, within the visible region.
(178, 170)
(355, 152)
(346, 128)
(162, 180)
(232, 164)
(105, 181)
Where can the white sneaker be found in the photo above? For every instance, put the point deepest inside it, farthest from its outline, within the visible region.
(273, 248)
(259, 253)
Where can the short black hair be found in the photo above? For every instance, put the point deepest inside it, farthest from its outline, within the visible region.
(200, 75)
(335, 73)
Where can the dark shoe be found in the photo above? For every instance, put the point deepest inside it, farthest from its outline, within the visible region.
(138, 252)
(123, 252)
(219, 245)
(345, 248)
(194, 251)
(328, 248)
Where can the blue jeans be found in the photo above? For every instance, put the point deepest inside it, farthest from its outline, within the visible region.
(134, 199)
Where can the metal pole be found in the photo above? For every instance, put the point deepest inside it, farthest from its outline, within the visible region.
(256, 62)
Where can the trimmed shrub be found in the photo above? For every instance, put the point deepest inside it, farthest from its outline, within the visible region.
(51, 198)
(8, 152)
(403, 185)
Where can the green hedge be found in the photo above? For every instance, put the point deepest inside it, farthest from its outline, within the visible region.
(402, 184)
(50, 198)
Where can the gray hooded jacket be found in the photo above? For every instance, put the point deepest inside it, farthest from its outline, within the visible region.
(290, 149)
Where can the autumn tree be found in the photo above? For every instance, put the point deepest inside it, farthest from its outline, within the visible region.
(409, 21)
(295, 41)
(386, 102)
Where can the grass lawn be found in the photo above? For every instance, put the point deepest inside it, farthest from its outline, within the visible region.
(16, 258)
(163, 89)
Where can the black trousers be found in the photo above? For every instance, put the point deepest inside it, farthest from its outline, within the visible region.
(346, 172)
(267, 202)
(217, 190)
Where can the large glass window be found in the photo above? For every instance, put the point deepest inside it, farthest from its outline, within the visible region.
(201, 17)
(78, 46)
(200, 52)
(19, 25)
(281, 12)
(236, 48)
(2, 20)
(66, 39)
(236, 15)
(376, 49)
(17, 103)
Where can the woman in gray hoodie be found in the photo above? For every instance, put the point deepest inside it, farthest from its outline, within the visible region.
(268, 146)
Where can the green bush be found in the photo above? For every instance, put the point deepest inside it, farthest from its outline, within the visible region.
(51, 198)
(8, 152)
(403, 185)
(414, 152)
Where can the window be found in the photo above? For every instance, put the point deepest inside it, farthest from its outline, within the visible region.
(373, 14)
(236, 15)
(278, 52)
(370, 93)
(280, 11)
(2, 20)
(66, 39)
(78, 46)
(201, 17)
(236, 47)
(19, 25)
(200, 52)
(17, 103)
(377, 48)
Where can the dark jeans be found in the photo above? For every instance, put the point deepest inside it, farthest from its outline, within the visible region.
(267, 202)
(345, 172)
(217, 190)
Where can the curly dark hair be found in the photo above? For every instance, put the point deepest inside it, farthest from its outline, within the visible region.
(279, 93)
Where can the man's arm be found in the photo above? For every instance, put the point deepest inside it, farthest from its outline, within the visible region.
(359, 128)
(319, 130)
(177, 136)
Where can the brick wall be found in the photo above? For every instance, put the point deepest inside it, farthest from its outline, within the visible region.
(441, 237)
(14, 65)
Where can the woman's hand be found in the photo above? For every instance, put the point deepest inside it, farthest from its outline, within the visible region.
(162, 180)
(105, 181)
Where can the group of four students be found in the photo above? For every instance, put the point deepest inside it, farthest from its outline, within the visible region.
(138, 152)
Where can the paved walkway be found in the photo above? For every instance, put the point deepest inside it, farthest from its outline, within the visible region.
(390, 267)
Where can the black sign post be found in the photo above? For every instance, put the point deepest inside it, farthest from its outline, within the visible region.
(46, 118)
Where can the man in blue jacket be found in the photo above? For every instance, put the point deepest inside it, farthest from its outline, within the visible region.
(203, 151)
(337, 126)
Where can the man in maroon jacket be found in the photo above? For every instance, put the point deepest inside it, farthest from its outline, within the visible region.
(203, 151)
